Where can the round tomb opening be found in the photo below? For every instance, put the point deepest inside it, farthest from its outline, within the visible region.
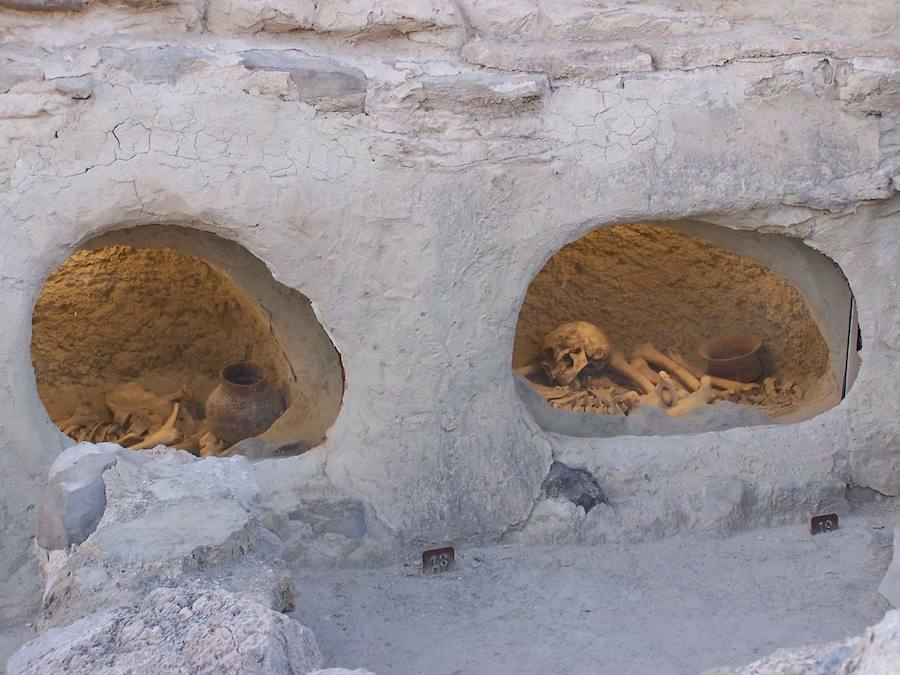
(671, 328)
(148, 336)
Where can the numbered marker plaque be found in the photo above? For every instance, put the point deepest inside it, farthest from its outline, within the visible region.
(438, 560)
(823, 524)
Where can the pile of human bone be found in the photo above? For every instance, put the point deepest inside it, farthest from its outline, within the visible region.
(580, 370)
(244, 404)
(137, 418)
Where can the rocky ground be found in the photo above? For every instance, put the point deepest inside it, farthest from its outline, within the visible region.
(680, 605)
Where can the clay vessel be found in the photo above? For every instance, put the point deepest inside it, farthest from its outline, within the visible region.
(244, 404)
(734, 356)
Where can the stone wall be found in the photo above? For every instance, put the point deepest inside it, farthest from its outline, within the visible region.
(409, 167)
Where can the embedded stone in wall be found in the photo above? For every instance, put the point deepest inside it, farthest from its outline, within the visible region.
(45, 5)
(320, 81)
(575, 485)
(460, 93)
(591, 60)
(160, 64)
(15, 72)
(584, 21)
(76, 86)
(353, 19)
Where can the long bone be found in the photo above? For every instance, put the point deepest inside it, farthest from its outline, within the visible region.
(705, 394)
(652, 355)
(731, 386)
(619, 364)
(166, 435)
(644, 368)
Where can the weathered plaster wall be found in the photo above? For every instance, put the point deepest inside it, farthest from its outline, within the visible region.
(409, 167)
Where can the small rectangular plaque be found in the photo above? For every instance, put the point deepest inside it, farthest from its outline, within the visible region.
(438, 560)
(822, 524)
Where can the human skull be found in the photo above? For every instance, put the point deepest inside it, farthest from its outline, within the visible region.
(568, 349)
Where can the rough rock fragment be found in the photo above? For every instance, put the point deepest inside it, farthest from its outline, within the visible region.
(890, 584)
(594, 61)
(74, 501)
(875, 652)
(351, 19)
(152, 64)
(460, 93)
(346, 517)
(45, 5)
(320, 81)
(574, 485)
(175, 630)
(170, 518)
(12, 73)
(77, 87)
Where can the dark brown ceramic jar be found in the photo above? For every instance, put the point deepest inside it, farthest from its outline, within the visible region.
(244, 404)
(734, 356)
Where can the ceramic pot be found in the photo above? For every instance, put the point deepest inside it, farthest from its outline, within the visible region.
(244, 404)
(734, 356)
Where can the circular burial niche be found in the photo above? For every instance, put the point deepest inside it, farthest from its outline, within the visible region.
(139, 321)
(661, 295)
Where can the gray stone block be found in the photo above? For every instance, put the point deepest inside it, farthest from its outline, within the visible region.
(12, 73)
(890, 584)
(78, 87)
(574, 485)
(74, 501)
(170, 519)
(45, 5)
(152, 64)
(346, 517)
(325, 83)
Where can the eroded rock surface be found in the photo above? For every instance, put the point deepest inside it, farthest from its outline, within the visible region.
(170, 518)
(175, 630)
(890, 584)
(574, 485)
(875, 652)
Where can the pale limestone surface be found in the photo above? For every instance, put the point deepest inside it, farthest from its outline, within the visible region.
(175, 630)
(890, 584)
(875, 652)
(169, 519)
(414, 217)
(179, 575)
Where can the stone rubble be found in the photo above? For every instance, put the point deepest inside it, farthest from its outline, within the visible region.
(163, 562)
(890, 584)
(184, 629)
(875, 652)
